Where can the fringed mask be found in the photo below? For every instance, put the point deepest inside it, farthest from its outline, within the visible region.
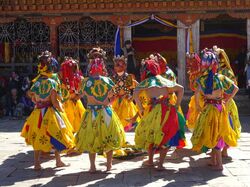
(149, 68)
(209, 64)
(45, 64)
(193, 68)
(120, 64)
(193, 63)
(209, 60)
(71, 74)
(162, 62)
(97, 53)
(97, 67)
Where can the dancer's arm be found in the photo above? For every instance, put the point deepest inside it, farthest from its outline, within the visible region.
(179, 90)
(137, 100)
(197, 99)
(55, 101)
(236, 89)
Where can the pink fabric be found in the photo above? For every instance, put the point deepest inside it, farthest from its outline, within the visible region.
(219, 107)
(221, 144)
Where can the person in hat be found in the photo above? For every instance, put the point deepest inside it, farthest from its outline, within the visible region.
(71, 82)
(47, 127)
(101, 129)
(129, 53)
(247, 71)
(124, 84)
(162, 126)
(225, 69)
(212, 129)
(167, 72)
(194, 72)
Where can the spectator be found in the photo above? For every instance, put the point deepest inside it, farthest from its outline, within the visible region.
(2, 86)
(235, 67)
(247, 70)
(14, 81)
(129, 53)
(28, 105)
(12, 102)
(2, 96)
(25, 85)
(241, 58)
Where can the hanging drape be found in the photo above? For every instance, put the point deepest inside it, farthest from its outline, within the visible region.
(117, 49)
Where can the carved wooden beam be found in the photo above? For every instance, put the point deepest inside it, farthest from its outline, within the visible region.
(116, 6)
(121, 11)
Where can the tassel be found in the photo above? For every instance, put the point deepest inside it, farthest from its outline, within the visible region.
(191, 48)
(209, 83)
(6, 52)
(117, 42)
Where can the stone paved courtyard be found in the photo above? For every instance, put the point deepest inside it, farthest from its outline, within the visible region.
(184, 167)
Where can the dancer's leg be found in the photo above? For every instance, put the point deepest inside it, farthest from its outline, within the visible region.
(109, 160)
(59, 162)
(92, 157)
(163, 153)
(37, 164)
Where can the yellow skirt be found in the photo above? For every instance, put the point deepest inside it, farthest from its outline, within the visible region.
(74, 113)
(192, 114)
(212, 126)
(234, 117)
(125, 109)
(172, 101)
(47, 128)
(160, 127)
(101, 130)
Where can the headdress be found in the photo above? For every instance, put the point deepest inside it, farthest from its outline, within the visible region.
(161, 61)
(71, 75)
(96, 62)
(96, 53)
(44, 62)
(120, 63)
(193, 67)
(44, 65)
(209, 64)
(149, 68)
(209, 60)
(223, 58)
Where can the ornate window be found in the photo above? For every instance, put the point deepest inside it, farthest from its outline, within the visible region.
(24, 39)
(69, 39)
(76, 39)
(6, 32)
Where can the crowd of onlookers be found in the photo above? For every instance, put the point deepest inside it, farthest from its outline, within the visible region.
(14, 101)
(241, 68)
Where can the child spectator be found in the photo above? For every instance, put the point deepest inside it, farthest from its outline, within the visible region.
(25, 85)
(28, 105)
(12, 102)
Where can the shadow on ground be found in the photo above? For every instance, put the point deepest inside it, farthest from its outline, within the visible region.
(19, 168)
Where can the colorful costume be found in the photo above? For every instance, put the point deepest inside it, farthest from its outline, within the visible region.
(167, 73)
(162, 125)
(47, 127)
(70, 85)
(212, 128)
(194, 71)
(124, 84)
(225, 69)
(101, 129)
